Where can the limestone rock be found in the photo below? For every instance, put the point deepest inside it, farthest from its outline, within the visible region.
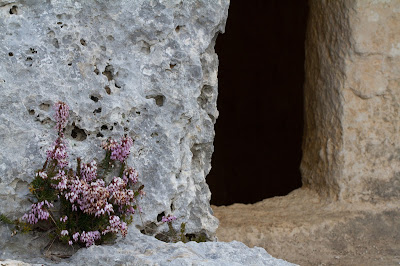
(308, 230)
(139, 249)
(351, 138)
(143, 68)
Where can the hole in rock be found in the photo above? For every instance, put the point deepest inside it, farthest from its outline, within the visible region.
(159, 99)
(99, 135)
(55, 43)
(78, 134)
(150, 228)
(44, 106)
(108, 90)
(160, 216)
(109, 72)
(83, 42)
(94, 98)
(257, 146)
(14, 10)
(96, 70)
(97, 111)
(104, 127)
(145, 47)
(10, 54)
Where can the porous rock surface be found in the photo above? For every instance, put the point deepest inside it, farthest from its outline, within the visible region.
(145, 68)
(139, 249)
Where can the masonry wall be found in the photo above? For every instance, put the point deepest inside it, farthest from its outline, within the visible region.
(351, 146)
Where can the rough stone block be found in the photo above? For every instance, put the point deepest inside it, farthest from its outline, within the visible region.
(351, 139)
(142, 68)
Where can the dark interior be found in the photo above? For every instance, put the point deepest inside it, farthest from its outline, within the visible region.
(261, 74)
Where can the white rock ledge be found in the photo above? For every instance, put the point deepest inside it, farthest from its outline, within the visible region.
(139, 249)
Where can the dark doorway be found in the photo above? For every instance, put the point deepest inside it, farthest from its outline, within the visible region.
(261, 74)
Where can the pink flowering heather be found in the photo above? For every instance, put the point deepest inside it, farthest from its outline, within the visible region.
(118, 194)
(58, 153)
(75, 236)
(37, 212)
(90, 237)
(61, 115)
(90, 197)
(64, 218)
(62, 178)
(130, 175)
(121, 151)
(168, 219)
(90, 209)
(89, 171)
(42, 174)
(109, 144)
(116, 225)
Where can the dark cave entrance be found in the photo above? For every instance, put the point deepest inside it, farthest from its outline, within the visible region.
(261, 74)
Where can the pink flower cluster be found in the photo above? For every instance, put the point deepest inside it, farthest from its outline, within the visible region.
(109, 144)
(84, 190)
(119, 193)
(168, 219)
(89, 171)
(115, 226)
(37, 212)
(90, 237)
(92, 198)
(86, 237)
(42, 174)
(130, 176)
(58, 153)
(63, 180)
(64, 218)
(119, 151)
(61, 115)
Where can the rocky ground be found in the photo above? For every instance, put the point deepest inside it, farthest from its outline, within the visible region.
(304, 229)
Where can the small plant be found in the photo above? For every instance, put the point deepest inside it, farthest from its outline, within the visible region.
(88, 210)
(173, 235)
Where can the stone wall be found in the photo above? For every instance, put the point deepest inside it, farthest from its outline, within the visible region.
(146, 68)
(351, 147)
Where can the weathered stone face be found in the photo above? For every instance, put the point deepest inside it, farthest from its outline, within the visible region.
(142, 68)
(352, 142)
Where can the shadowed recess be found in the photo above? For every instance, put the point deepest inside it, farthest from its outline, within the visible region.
(261, 75)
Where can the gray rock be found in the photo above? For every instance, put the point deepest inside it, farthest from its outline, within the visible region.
(146, 68)
(139, 249)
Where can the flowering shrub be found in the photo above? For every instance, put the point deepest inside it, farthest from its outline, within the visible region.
(90, 210)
